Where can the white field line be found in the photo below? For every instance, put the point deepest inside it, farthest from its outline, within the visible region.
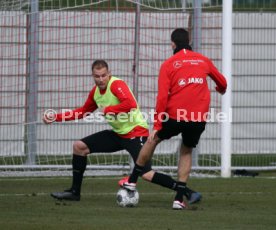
(143, 193)
(83, 194)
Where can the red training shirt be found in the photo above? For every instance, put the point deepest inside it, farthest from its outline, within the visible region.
(183, 91)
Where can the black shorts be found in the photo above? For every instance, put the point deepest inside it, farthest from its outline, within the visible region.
(190, 131)
(108, 141)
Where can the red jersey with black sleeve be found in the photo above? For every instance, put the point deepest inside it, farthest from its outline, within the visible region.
(183, 91)
(127, 102)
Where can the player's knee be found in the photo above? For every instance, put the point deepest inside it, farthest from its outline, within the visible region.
(80, 148)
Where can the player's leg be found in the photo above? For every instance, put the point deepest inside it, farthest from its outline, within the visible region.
(169, 129)
(160, 179)
(190, 137)
(133, 146)
(155, 177)
(143, 157)
(184, 168)
(79, 161)
(90, 144)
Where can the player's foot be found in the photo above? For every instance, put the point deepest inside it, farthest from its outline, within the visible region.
(66, 195)
(194, 197)
(177, 205)
(129, 186)
(122, 181)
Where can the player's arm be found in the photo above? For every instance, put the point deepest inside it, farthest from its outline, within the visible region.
(218, 78)
(127, 101)
(78, 113)
(162, 96)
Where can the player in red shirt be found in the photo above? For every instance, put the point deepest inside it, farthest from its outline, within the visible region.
(184, 96)
(113, 98)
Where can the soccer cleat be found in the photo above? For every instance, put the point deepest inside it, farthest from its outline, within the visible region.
(66, 195)
(122, 181)
(177, 205)
(129, 186)
(194, 197)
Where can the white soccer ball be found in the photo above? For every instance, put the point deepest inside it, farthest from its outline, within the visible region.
(126, 198)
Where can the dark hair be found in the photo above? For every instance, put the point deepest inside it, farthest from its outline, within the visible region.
(98, 64)
(180, 37)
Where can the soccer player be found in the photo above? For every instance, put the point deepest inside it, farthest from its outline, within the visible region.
(184, 96)
(113, 98)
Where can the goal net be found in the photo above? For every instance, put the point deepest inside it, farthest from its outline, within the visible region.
(47, 49)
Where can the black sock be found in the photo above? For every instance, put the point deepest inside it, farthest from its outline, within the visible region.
(79, 166)
(180, 191)
(164, 180)
(135, 173)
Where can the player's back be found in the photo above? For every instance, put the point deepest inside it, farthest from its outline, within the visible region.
(188, 90)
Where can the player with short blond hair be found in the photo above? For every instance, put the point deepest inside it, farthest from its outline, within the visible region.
(112, 97)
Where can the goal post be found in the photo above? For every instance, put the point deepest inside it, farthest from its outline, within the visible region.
(226, 141)
(69, 35)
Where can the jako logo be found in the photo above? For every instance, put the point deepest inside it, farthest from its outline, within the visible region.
(177, 64)
(195, 80)
(181, 82)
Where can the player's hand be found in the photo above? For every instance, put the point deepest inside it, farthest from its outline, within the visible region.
(220, 91)
(49, 117)
(152, 135)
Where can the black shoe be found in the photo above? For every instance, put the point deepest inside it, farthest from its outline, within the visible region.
(195, 197)
(66, 195)
(192, 196)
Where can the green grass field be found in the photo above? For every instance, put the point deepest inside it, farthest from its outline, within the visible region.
(236, 203)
